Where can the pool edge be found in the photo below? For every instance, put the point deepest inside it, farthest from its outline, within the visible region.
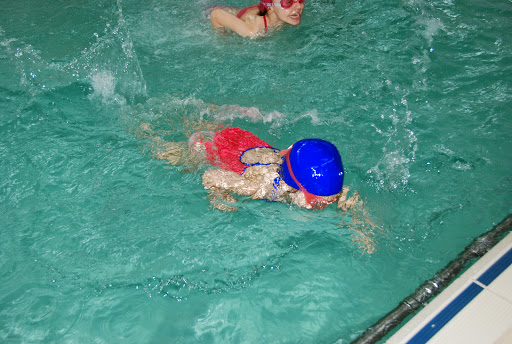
(475, 308)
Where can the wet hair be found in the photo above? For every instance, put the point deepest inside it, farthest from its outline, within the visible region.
(262, 7)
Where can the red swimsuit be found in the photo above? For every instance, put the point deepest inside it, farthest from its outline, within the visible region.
(243, 10)
(227, 147)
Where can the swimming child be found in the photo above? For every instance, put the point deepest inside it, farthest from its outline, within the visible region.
(254, 20)
(308, 174)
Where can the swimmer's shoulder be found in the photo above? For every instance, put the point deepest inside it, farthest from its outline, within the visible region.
(247, 26)
(250, 14)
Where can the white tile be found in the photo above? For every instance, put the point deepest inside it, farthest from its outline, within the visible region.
(484, 320)
(506, 338)
(502, 285)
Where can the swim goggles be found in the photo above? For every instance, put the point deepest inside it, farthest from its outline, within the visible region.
(284, 3)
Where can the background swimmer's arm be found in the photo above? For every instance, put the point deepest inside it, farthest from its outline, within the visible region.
(221, 18)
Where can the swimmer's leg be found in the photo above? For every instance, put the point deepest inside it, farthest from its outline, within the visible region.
(175, 153)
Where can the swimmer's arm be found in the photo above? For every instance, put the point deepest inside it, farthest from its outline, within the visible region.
(261, 156)
(221, 18)
(229, 181)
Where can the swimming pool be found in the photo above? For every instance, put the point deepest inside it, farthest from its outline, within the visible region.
(102, 243)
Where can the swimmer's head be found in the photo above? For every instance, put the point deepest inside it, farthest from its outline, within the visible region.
(287, 11)
(313, 166)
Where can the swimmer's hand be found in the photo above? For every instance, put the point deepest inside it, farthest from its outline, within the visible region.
(298, 198)
(220, 182)
(347, 204)
(218, 200)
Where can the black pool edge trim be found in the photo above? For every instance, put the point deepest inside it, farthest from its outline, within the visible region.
(432, 287)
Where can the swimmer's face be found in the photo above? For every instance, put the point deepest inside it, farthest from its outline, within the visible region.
(319, 202)
(323, 201)
(291, 15)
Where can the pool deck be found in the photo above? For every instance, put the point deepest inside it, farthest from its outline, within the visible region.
(475, 308)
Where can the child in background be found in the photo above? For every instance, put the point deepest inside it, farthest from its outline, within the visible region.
(254, 20)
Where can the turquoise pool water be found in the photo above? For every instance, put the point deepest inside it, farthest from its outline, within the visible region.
(101, 243)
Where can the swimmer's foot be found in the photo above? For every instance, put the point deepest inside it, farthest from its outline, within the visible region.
(143, 130)
(172, 152)
(161, 149)
(173, 157)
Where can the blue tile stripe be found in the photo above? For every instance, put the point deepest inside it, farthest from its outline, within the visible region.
(496, 269)
(447, 314)
(462, 300)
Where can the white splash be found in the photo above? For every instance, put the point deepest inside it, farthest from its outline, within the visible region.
(432, 27)
(104, 86)
(392, 170)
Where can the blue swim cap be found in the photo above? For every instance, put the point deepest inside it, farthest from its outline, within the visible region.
(316, 165)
